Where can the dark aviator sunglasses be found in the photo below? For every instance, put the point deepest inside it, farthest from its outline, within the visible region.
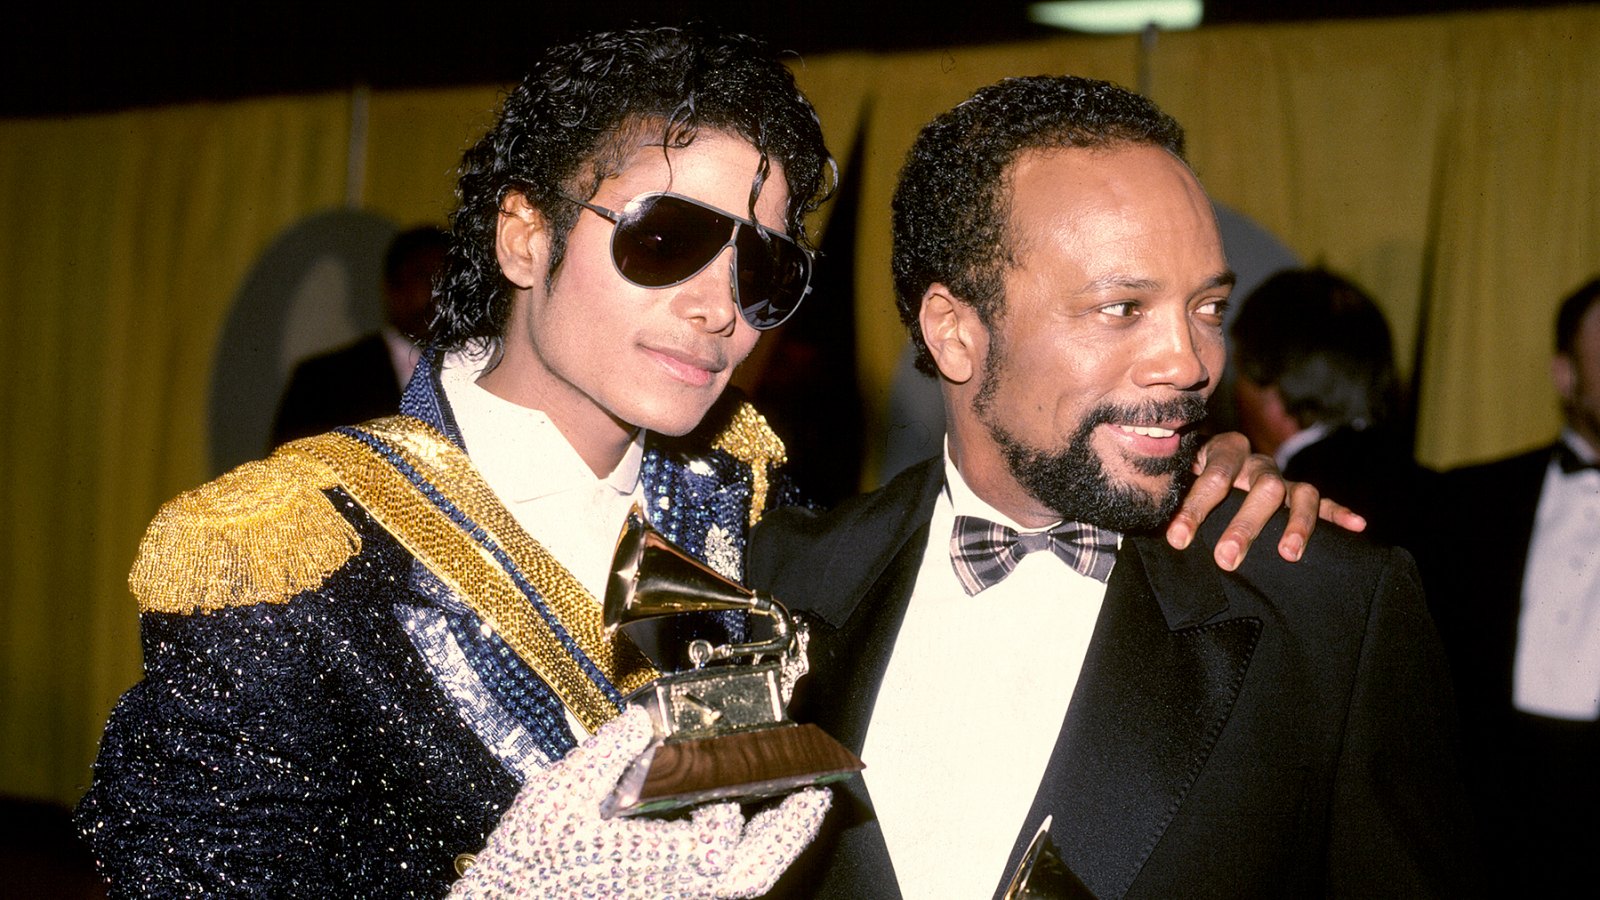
(661, 239)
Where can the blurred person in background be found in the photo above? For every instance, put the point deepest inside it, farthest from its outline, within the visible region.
(1316, 387)
(1518, 603)
(363, 379)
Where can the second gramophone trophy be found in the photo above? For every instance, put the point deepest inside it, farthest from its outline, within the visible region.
(722, 731)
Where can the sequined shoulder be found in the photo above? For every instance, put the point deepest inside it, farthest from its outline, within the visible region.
(748, 438)
(261, 533)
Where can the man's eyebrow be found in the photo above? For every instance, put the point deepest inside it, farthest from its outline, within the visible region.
(1225, 278)
(1119, 282)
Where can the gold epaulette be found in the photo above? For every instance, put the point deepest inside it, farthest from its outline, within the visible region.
(261, 533)
(749, 439)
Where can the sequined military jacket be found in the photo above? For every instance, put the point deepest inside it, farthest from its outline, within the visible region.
(353, 657)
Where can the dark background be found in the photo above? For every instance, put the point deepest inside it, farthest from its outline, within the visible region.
(61, 58)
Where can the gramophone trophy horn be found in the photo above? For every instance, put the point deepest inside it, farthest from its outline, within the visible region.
(722, 730)
(1042, 875)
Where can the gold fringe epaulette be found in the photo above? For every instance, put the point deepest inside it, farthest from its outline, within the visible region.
(262, 533)
(749, 439)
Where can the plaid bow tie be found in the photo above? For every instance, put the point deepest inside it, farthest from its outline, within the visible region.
(983, 552)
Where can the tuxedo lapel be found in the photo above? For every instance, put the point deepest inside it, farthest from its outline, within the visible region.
(1500, 622)
(1156, 688)
(1475, 575)
(858, 653)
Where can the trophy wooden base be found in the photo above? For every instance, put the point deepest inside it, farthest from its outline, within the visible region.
(745, 765)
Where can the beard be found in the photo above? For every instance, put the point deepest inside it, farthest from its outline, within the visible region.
(1073, 483)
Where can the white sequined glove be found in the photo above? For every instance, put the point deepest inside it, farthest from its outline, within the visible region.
(552, 842)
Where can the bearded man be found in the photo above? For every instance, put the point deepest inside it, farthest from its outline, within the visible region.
(1277, 730)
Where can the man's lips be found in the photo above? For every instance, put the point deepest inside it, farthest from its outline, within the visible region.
(691, 367)
(1155, 431)
(1150, 440)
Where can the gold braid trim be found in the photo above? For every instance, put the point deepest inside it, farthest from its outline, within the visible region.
(470, 569)
(261, 533)
(749, 439)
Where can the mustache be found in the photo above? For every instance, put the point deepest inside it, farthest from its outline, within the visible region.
(1188, 409)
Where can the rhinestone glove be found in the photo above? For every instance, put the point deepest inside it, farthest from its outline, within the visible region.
(552, 842)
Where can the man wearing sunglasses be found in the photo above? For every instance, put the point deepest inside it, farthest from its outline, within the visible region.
(375, 660)
(1274, 731)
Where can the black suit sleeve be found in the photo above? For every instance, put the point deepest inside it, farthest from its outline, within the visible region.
(1400, 824)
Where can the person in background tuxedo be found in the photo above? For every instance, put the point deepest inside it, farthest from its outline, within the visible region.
(1519, 609)
(362, 380)
(1278, 730)
(1316, 388)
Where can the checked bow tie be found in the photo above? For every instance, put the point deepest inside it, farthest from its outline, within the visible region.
(983, 552)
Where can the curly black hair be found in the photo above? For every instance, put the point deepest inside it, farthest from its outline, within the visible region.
(571, 123)
(951, 204)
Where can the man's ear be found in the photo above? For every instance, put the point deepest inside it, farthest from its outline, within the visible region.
(521, 241)
(1565, 378)
(956, 338)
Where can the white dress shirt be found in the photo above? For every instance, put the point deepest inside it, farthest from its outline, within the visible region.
(548, 488)
(970, 707)
(1298, 441)
(1557, 669)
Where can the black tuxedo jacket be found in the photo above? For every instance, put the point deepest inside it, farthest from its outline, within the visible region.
(1372, 472)
(1531, 779)
(341, 387)
(1473, 568)
(1282, 731)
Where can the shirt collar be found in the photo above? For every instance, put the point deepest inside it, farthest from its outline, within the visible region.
(1298, 441)
(964, 502)
(518, 450)
(1579, 445)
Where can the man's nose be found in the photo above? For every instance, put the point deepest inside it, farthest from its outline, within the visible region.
(1173, 358)
(707, 299)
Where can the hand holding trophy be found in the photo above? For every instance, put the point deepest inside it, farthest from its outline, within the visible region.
(552, 841)
(702, 739)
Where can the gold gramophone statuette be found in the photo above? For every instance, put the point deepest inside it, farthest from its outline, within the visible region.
(722, 731)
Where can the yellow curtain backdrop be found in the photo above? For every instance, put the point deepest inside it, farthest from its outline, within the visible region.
(125, 236)
(1517, 228)
(1447, 163)
(414, 142)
